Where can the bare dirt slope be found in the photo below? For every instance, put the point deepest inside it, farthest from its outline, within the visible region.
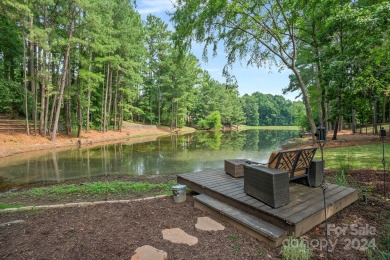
(14, 143)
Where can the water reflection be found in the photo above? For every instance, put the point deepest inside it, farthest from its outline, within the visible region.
(167, 155)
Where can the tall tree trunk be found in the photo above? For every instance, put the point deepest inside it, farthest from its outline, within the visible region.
(116, 99)
(121, 112)
(336, 127)
(36, 83)
(337, 121)
(375, 116)
(384, 108)
(63, 80)
(89, 92)
(341, 122)
(67, 105)
(106, 100)
(326, 118)
(79, 113)
(305, 98)
(320, 85)
(44, 97)
(109, 101)
(102, 114)
(353, 123)
(56, 81)
(42, 130)
(32, 72)
(159, 99)
(25, 83)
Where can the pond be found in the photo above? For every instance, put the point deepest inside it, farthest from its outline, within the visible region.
(163, 156)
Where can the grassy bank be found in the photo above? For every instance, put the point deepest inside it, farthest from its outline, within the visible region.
(246, 127)
(355, 157)
(90, 191)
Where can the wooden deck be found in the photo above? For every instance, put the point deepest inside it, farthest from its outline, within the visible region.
(304, 211)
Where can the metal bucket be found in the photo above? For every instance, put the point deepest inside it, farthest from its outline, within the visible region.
(179, 193)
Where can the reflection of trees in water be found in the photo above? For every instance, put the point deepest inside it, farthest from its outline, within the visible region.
(274, 139)
(234, 140)
(251, 142)
(168, 155)
(211, 140)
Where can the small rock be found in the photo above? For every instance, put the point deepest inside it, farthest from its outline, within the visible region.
(178, 236)
(149, 253)
(208, 224)
(12, 222)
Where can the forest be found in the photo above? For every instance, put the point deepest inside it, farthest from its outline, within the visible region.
(90, 64)
(337, 51)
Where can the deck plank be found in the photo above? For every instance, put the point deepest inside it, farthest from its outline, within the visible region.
(319, 206)
(306, 203)
(304, 210)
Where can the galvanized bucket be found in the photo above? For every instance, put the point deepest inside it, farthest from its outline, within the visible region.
(179, 193)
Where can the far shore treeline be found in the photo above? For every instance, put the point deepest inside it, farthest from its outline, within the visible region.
(90, 64)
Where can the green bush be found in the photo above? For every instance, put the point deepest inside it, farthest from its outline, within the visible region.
(295, 250)
(211, 122)
(11, 98)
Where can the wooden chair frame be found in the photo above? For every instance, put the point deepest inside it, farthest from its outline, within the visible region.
(295, 162)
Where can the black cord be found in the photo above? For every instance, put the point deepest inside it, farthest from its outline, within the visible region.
(384, 167)
(324, 186)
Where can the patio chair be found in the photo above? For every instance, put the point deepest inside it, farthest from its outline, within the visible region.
(295, 162)
(270, 183)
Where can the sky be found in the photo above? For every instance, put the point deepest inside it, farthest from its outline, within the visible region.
(249, 79)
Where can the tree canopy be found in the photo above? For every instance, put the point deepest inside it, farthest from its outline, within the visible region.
(82, 64)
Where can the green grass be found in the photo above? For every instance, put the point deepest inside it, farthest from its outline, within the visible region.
(355, 157)
(233, 237)
(101, 188)
(341, 178)
(247, 127)
(7, 206)
(383, 253)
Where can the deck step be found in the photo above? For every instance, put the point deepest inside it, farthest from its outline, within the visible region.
(252, 225)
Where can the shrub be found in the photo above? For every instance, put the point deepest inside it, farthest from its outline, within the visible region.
(211, 122)
(295, 250)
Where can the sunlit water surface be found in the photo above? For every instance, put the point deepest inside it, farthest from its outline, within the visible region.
(163, 156)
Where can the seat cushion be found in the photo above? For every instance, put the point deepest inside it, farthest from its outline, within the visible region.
(273, 160)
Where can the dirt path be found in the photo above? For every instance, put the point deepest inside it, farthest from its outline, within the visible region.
(15, 143)
(344, 138)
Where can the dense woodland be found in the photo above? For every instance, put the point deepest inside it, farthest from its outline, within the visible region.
(82, 64)
(338, 51)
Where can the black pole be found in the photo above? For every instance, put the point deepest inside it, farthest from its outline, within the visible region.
(383, 135)
(324, 186)
(321, 140)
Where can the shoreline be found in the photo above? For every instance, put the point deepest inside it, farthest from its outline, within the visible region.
(21, 143)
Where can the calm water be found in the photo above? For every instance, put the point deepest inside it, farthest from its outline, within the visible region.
(167, 155)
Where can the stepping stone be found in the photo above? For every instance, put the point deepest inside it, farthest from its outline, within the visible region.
(178, 236)
(149, 253)
(208, 224)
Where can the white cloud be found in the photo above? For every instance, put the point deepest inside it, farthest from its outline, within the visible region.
(154, 6)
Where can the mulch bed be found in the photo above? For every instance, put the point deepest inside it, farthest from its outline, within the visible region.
(114, 231)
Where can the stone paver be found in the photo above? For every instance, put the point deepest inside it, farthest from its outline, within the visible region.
(149, 253)
(178, 236)
(208, 224)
